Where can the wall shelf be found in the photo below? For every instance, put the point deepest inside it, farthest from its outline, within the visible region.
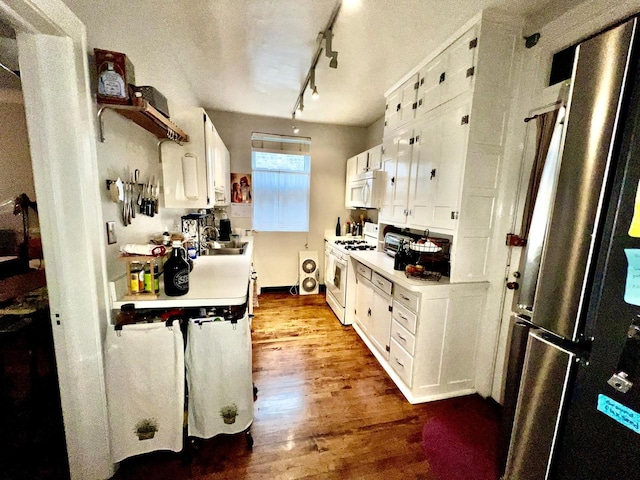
(144, 114)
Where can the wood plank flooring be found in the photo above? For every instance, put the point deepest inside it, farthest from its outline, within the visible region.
(325, 409)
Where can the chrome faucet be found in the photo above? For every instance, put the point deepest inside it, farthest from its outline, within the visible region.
(208, 238)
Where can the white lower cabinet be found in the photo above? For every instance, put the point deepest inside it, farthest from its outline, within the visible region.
(427, 342)
(373, 310)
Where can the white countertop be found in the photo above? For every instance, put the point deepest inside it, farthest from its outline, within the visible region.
(216, 280)
(383, 264)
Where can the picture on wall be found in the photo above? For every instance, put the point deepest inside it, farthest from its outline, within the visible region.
(240, 188)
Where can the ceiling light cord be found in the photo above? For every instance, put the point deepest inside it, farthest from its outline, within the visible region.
(325, 36)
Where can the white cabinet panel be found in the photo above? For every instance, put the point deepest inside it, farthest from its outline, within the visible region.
(380, 327)
(364, 299)
(425, 171)
(461, 59)
(432, 77)
(397, 169)
(375, 158)
(209, 159)
(403, 337)
(454, 132)
(401, 104)
(402, 362)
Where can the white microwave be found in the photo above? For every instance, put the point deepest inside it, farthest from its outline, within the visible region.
(364, 191)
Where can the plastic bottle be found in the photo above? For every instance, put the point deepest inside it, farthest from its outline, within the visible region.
(176, 272)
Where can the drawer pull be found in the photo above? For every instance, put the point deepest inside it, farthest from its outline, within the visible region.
(401, 337)
(380, 284)
(404, 297)
(399, 362)
(403, 317)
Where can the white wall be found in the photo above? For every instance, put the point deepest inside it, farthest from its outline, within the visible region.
(276, 254)
(128, 147)
(15, 159)
(375, 132)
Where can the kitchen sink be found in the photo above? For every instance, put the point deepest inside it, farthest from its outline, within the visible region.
(226, 248)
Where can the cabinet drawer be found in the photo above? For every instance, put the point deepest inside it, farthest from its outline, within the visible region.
(363, 270)
(405, 317)
(401, 362)
(381, 282)
(403, 337)
(406, 298)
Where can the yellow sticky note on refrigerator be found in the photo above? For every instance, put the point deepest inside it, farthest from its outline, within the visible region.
(634, 228)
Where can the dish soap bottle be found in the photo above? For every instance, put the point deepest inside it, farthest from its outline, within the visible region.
(338, 229)
(176, 272)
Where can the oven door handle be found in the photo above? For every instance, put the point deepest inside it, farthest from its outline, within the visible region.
(339, 261)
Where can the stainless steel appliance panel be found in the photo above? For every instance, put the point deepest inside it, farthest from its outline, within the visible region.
(540, 220)
(571, 239)
(547, 373)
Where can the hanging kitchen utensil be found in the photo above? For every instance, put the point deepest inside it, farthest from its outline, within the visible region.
(133, 187)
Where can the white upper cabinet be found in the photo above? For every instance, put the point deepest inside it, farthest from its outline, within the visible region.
(461, 65)
(222, 169)
(196, 174)
(401, 104)
(443, 169)
(374, 161)
(396, 163)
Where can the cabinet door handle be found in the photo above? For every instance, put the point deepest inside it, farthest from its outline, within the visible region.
(442, 77)
(369, 312)
(433, 174)
(393, 180)
(398, 107)
(399, 362)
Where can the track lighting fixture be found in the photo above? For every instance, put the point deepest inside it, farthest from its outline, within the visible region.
(328, 35)
(314, 90)
(325, 36)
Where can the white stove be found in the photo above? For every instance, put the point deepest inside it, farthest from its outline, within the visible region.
(339, 276)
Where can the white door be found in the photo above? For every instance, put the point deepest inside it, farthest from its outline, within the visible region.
(425, 171)
(392, 110)
(432, 78)
(364, 300)
(396, 189)
(380, 326)
(408, 95)
(453, 135)
(375, 158)
(461, 59)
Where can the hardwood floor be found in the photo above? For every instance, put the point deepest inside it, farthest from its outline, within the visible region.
(325, 409)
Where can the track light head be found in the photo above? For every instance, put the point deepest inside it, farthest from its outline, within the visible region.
(334, 60)
(295, 129)
(315, 95)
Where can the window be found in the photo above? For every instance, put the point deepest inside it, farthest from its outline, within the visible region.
(281, 178)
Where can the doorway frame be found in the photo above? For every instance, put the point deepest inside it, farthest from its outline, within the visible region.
(60, 114)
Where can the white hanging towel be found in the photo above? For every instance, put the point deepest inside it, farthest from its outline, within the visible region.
(219, 376)
(145, 388)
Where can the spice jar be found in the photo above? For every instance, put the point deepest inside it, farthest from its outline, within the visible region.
(151, 280)
(136, 277)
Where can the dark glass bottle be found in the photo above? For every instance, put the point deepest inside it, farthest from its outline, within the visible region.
(176, 273)
(338, 228)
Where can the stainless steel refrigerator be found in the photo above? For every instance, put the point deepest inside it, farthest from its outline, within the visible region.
(576, 340)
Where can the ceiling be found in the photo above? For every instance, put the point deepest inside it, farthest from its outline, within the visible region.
(251, 56)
